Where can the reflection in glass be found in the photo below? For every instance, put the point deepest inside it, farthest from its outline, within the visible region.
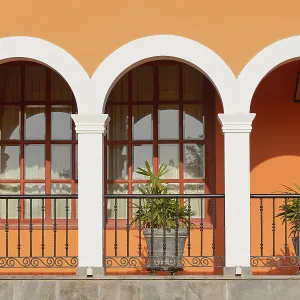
(35, 83)
(193, 121)
(35, 123)
(60, 90)
(168, 82)
(169, 155)
(193, 161)
(116, 188)
(61, 122)
(117, 162)
(10, 162)
(195, 188)
(76, 161)
(10, 83)
(34, 189)
(142, 83)
(35, 162)
(10, 123)
(120, 91)
(61, 167)
(168, 122)
(141, 154)
(60, 204)
(117, 126)
(193, 81)
(142, 122)
(9, 189)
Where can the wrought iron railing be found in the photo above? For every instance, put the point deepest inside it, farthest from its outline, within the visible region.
(132, 246)
(41, 238)
(271, 239)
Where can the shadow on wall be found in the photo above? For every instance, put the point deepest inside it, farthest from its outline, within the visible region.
(275, 142)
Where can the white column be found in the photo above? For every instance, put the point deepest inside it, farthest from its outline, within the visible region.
(90, 130)
(236, 129)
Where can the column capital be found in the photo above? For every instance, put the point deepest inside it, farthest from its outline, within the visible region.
(236, 123)
(90, 123)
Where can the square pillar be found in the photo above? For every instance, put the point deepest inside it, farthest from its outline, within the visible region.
(236, 129)
(90, 130)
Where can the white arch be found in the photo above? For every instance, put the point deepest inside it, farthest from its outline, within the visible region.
(159, 47)
(23, 47)
(261, 64)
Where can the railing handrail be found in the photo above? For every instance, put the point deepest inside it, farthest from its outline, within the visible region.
(39, 196)
(138, 196)
(284, 196)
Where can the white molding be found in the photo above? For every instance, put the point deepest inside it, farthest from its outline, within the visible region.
(164, 47)
(261, 65)
(89, 124)
(236, 123)
(53, 56)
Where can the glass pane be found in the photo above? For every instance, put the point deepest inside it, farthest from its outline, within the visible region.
(117, 162)
(10, 83)
(35, 123)
(34, 189)
(194, 161)
(116, 188)
(61, 122)
(195, 188)
(60, 90)
(168, 122)
(142, 122)
(61, 166)
(76, 161)
(35, 83)
(141, 154)
(169, 155)
(9, 123)
(168, 83)
(193, 81)
(117, 126)
(10, 162)
(193, 121)
(120, 91)
(61, 205)
(9, 189)
(142, 84)
(35, 162)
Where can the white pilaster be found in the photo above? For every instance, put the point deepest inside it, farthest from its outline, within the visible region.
(90, 130)
(236, 129)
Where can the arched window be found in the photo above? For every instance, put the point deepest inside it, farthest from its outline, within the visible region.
(37, 139)
(161, 112)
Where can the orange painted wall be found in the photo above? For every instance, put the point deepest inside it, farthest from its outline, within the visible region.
(90, 30)
(275, 154)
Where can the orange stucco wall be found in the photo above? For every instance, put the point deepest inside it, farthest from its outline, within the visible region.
(90, 30)
(275, 154)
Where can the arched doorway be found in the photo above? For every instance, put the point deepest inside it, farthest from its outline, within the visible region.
(162, 112)
(38, 157)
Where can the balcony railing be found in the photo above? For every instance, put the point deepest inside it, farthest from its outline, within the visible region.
(271, 238)
(142, 246)
(41, 236)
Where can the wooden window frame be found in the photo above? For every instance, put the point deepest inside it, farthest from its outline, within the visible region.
(48, 221)
(208, 103)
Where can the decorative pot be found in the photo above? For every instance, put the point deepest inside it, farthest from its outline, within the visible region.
(296, 243)
(171, 261)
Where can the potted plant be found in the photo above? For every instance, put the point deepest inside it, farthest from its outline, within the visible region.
(290, 212)
(165, 222)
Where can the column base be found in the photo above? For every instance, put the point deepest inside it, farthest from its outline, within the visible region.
(237, 271)
(90, 271)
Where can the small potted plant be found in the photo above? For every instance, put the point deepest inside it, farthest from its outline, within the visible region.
(165, 222)
(290, 212)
